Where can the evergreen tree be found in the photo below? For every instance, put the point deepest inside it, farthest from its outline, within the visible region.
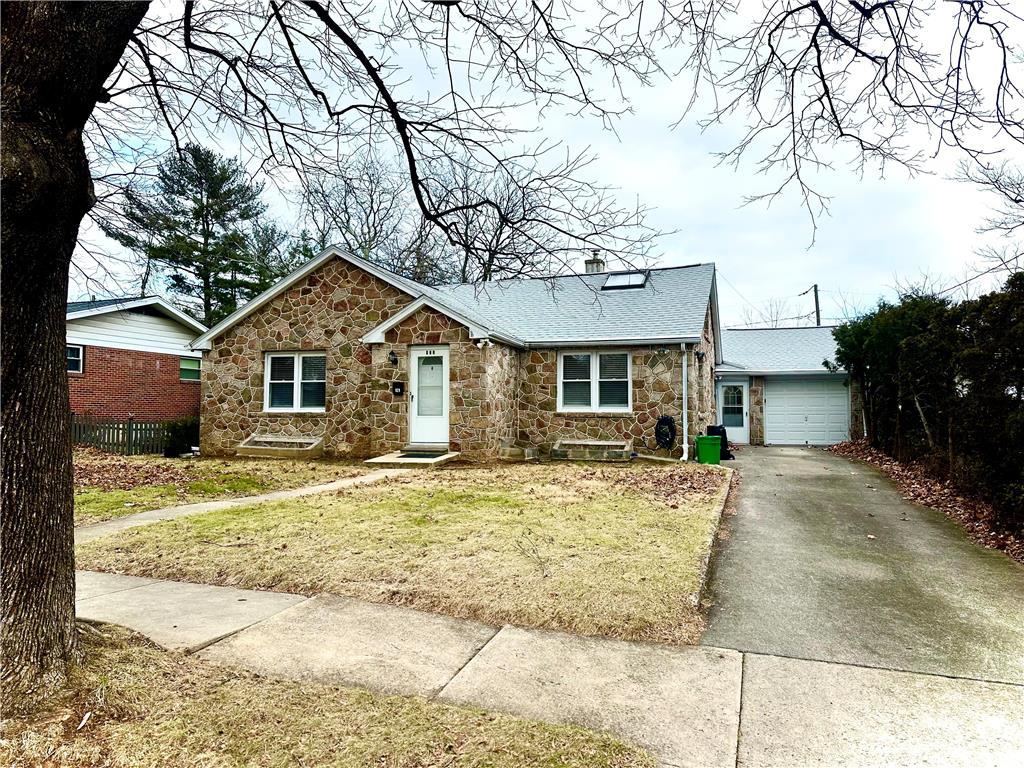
(199, 224)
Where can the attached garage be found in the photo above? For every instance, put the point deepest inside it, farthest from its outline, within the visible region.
(775, 388)
(806, 411)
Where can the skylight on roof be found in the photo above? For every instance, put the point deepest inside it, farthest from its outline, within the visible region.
(621, 280)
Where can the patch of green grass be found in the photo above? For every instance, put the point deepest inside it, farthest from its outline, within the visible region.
(148, 707)
(129, 484)
(604, 552)
(95, 504)
(228, 484)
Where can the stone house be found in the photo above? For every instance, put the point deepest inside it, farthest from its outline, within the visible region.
(365, 362)
(349, 359)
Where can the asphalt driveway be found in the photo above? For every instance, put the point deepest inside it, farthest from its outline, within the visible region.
(825, 561)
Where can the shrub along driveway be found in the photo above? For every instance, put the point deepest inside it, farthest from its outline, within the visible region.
(826, 561)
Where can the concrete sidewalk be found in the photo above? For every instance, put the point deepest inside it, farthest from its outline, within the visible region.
(690, 706)
(95, 531)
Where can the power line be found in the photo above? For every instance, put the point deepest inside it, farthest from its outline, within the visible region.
(745, 299)
(807, 316)
(971, 279)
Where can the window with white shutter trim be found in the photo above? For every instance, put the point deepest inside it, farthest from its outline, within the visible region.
(594, 382)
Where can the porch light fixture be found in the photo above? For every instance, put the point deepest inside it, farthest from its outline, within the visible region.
(700, 355)
(393, 357)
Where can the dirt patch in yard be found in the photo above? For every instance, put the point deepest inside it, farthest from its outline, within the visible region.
(614, 551)
(108, 485)
(131, 704)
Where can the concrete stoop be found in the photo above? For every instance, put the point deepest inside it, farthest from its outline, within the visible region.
(593, 450)
(281, 447)
(409, 460)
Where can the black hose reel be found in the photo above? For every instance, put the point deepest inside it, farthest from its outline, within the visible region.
(665, 432)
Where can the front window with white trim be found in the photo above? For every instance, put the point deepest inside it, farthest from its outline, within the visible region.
(594, 381)
(295, 381)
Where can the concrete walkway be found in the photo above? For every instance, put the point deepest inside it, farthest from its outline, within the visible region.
(95, 531)
(826, 561)
(690, 706)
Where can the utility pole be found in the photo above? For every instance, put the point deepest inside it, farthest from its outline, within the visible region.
(817, 306)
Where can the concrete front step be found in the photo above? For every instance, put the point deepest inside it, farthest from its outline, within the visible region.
(281, 447)
(593, 450)
(517, 453)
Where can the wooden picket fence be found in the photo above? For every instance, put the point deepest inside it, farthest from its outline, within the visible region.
(125, 437)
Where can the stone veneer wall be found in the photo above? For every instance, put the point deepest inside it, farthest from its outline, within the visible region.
(481, 399)
(657, 391)
(503, 371)
(330, 310)
(701, 384)
(757, 410)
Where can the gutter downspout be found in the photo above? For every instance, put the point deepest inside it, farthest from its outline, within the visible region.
(686, 406)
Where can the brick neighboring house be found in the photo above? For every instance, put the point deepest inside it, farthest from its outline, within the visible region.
(363, 362)
(131, 358)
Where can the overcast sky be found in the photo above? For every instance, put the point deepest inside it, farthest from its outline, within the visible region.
(878, 232)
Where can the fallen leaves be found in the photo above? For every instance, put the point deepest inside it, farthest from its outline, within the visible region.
(108, 471)
(977, 517)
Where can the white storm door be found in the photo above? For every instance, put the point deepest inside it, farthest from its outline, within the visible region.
(428, 394)
(735, 411)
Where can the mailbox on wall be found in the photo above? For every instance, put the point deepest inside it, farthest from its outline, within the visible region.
(398, 388)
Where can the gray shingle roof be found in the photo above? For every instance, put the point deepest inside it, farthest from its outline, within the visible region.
(82, 306)
(777, 349)
(573, 308)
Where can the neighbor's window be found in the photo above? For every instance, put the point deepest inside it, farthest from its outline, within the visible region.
(594, 381)
(75, 358)
(295, 381)
(188, 368)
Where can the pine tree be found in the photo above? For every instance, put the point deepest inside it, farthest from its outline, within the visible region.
(199, 224)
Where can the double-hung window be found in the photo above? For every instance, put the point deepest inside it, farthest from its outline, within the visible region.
(295, 381)
(75, 358)
(594, 381)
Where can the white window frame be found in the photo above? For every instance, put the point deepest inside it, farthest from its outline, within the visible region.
(81, 358)
(297, 382)
(595, 382)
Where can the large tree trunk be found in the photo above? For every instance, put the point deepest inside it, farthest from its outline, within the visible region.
(56, 57)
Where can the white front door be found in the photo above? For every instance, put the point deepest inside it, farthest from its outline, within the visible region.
(734, 411)
(428, 394)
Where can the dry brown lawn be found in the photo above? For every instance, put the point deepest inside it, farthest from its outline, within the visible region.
(132, 705)
(108, 485)
(606, 550)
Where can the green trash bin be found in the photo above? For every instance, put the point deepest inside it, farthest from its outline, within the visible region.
(709, 449)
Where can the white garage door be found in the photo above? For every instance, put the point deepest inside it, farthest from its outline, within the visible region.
(806, 411)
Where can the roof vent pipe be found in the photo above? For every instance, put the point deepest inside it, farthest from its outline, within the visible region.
(595, 263)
